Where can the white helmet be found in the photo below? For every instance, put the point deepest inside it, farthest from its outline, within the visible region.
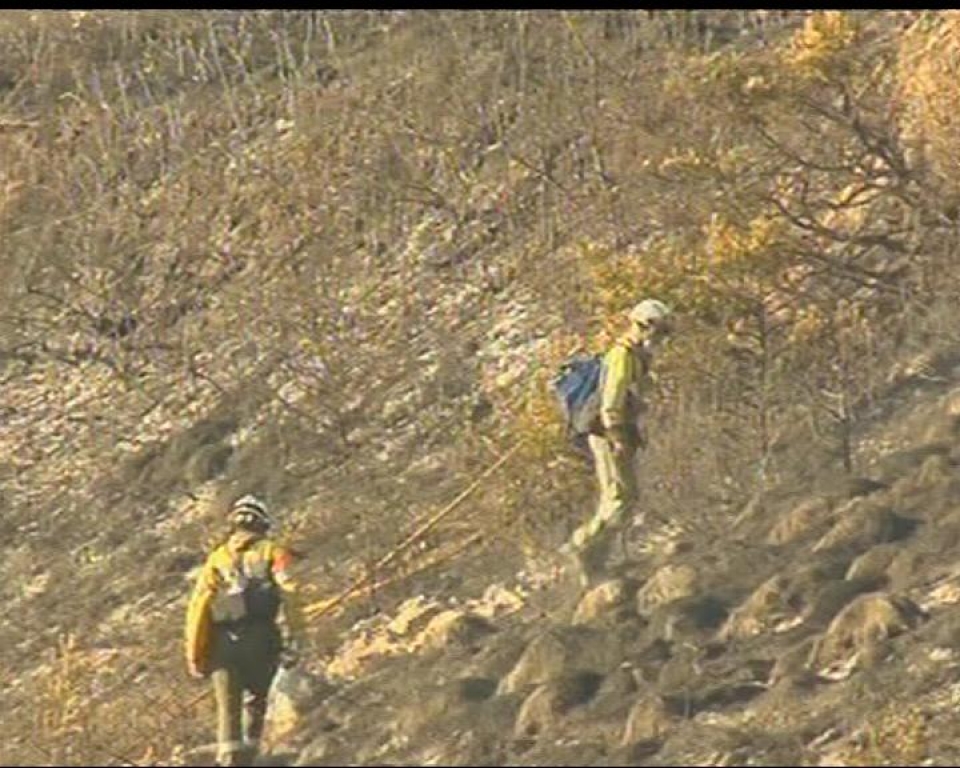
(250, 512)
(648, 312)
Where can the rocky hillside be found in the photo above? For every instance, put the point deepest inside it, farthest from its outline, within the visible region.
(820, 630)
(333, 257)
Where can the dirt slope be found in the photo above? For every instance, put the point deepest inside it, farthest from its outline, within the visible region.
(323, 258)
(821, 630)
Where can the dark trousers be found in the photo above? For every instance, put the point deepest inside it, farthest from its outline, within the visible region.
(245, 660)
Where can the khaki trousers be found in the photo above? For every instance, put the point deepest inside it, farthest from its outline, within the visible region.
(616, 476)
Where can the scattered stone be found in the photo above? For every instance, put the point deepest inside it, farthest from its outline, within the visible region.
(561, 651)
(935, 470)
(602, 602)
(779, 601)
(552, 700)
(668, 584)
(862, 526)
(455, 627)
(799, 521)
(872, 565)
(793, 665)
(866, 622)
(648, 721)
(294, 692)
(413, 615)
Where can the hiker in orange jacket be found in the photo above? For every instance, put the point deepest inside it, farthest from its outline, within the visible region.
(625, 384)
(232, 632)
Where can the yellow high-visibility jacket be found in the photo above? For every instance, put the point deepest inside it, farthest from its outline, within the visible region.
(242, 553)
(625, 379)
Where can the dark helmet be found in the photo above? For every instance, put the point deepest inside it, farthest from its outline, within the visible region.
(251, 513)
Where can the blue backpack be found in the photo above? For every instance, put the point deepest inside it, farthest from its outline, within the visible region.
(578, 386)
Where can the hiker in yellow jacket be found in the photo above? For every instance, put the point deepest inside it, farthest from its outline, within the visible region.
(232, 632)
(625, 381)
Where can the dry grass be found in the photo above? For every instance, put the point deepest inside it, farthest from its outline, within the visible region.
(897, 736)
(106, 706)
(299, 251)
(927, 75)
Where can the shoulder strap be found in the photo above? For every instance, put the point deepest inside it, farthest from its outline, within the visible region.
(264, 551)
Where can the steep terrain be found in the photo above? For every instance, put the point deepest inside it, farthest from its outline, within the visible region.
(818, 631)
(333, 258)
